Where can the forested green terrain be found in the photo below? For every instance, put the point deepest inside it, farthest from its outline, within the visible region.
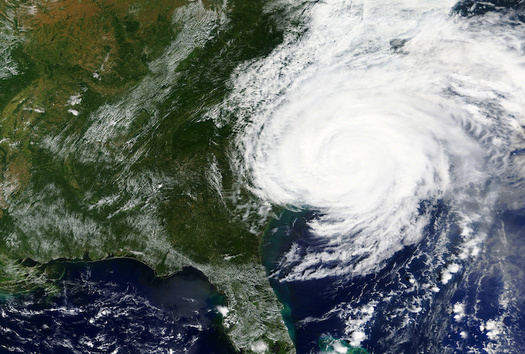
(106, 149)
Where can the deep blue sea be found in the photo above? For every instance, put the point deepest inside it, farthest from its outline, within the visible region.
(115, 306)
(316, 310)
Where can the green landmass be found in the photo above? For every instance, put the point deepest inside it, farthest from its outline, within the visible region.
(106, 151)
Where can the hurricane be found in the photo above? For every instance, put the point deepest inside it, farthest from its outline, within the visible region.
(364, 159)
(375, 109)
(387, 137)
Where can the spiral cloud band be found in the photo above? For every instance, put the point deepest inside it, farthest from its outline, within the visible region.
(363, 158)
(379, 107)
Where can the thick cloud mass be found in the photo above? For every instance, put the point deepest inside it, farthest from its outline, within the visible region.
(378, 107)
(364, 158)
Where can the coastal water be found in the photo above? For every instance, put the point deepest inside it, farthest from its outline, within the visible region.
(115, 306)
(304, 300)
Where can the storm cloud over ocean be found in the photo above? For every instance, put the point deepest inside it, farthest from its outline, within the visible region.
(397, 126)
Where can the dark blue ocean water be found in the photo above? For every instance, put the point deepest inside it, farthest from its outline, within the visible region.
(491, 290)
(115, 306)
